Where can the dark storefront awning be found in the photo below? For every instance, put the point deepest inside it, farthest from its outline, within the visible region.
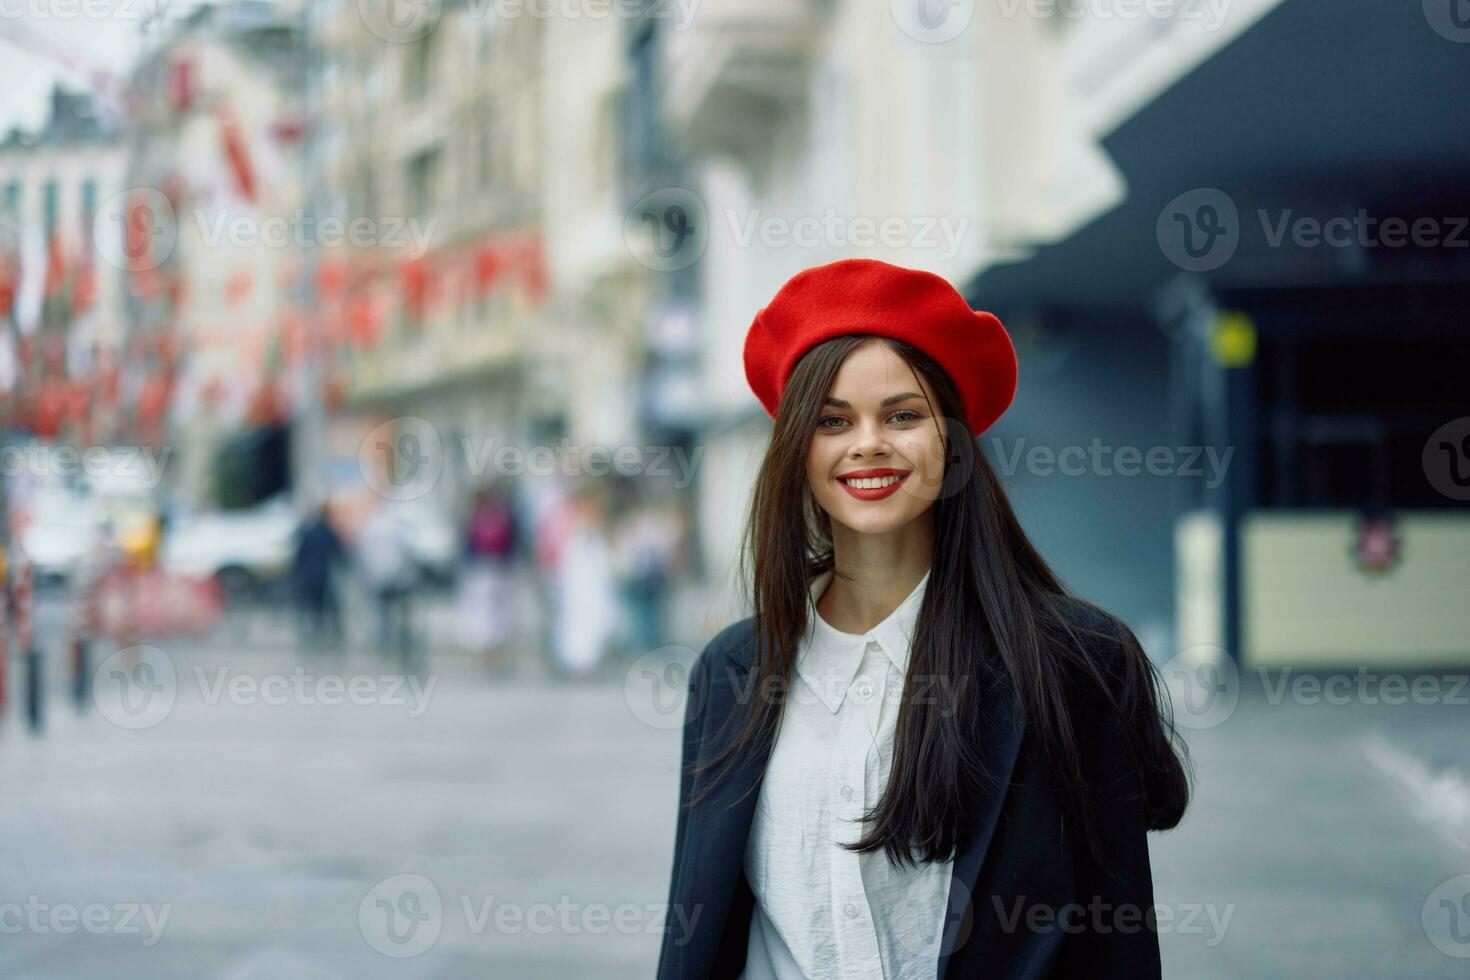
(1319, 109)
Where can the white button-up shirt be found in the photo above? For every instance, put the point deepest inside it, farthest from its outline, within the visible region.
(821, 911)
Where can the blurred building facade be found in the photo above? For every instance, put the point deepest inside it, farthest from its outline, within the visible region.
(944, 147)
(1055, 139)
(61, 299)
(437, 142)
(1239, 298)
(214, 169)
(493, 251)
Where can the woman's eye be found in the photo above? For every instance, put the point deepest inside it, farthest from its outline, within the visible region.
(901, 417)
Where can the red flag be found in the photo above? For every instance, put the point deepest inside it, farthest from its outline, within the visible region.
(55, 266)
(237, 289)
(237, 153)
(418, 285)
(181, 83)
(488, 267)
(86, 288)
(533, 270)
(331, 276)
(364, 321)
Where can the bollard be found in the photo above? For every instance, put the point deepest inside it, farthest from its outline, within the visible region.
(4, 648)
(26, 638)
(81, 666)
(85, 617)
(34, 688)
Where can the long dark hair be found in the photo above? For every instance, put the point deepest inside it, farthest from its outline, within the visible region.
(992, 611)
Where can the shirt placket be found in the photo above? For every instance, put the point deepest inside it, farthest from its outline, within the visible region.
(856, 932)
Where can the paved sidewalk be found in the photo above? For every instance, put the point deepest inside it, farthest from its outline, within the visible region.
(285, 839)
(1324, 859)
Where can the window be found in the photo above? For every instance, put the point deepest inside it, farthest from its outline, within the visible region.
(50, 205)
(89, 206)
(418, 73)
(423, 179)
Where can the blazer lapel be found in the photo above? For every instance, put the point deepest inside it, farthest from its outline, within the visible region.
(999, 753)
(723, 829)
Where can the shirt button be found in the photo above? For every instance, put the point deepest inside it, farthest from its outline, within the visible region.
(863, 689)
(847, 792)
(851, 911)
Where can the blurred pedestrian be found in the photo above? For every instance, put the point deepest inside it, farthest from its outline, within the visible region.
(551, 511)
(319, 551)
(385, 560)
(485, 581)
(586, 603)
(645, 547)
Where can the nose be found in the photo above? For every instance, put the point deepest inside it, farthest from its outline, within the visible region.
(869, 439)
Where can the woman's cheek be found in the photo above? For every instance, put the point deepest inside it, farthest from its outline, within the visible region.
(927, 459)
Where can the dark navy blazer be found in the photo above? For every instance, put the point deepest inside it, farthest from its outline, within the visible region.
(1026, 899)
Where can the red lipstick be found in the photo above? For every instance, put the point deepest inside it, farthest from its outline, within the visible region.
(889, 488)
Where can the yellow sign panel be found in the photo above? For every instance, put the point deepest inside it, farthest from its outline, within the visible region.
(1233, 340)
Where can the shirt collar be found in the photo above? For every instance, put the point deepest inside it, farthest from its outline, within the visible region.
(829, 658)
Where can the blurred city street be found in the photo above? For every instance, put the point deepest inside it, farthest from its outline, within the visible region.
(380, 435)
(291, 818)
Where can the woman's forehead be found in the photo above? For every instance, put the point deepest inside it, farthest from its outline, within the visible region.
(874, 372)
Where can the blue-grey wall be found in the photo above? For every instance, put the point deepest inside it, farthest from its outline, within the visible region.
(1110, 537)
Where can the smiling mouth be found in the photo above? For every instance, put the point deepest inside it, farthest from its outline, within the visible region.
(873, 482)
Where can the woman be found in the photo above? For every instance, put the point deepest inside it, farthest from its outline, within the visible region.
(920, 758)
(486, 584)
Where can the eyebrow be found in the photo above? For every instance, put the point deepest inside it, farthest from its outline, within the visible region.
(890, 400)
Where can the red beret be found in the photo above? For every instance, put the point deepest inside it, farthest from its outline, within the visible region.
(870, 297)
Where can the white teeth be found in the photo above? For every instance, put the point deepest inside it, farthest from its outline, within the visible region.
(873, 482)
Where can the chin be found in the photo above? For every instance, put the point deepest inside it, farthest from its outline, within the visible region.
(868, 521)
